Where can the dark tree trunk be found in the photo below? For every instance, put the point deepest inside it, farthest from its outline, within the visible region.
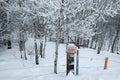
(5, 42)
(35, 45)
(9, 44)
(100, 44)
(101, 41)
(36, 54)
(78, 42)
(95, 44)
(41, 47)
(115, 39)
(98, 50)
(96, 41)
(24, 49)
(21, 48)
(91, 45)
(87, 43)
(84, 43)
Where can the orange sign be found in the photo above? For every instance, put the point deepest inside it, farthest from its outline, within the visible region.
(71, 49)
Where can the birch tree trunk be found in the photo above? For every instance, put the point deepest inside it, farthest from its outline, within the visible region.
(56, 48)
(44, 45)
(56, 56)
(24, 48)
(60, 20)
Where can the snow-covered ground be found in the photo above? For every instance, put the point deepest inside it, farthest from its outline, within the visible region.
(90, 65)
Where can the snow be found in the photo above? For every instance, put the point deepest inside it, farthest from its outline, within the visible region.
(91, 65)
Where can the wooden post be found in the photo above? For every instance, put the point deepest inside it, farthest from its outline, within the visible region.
(77, 63)
(106, 63)
(77, 57)
(66, 64)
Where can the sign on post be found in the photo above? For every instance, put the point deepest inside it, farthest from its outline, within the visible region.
(71, 57)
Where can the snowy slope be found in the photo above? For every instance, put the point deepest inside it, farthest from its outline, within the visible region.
(90, 65)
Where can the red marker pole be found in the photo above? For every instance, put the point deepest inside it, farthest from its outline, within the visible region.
(106, 63)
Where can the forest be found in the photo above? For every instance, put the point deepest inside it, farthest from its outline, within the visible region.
(86, 23)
